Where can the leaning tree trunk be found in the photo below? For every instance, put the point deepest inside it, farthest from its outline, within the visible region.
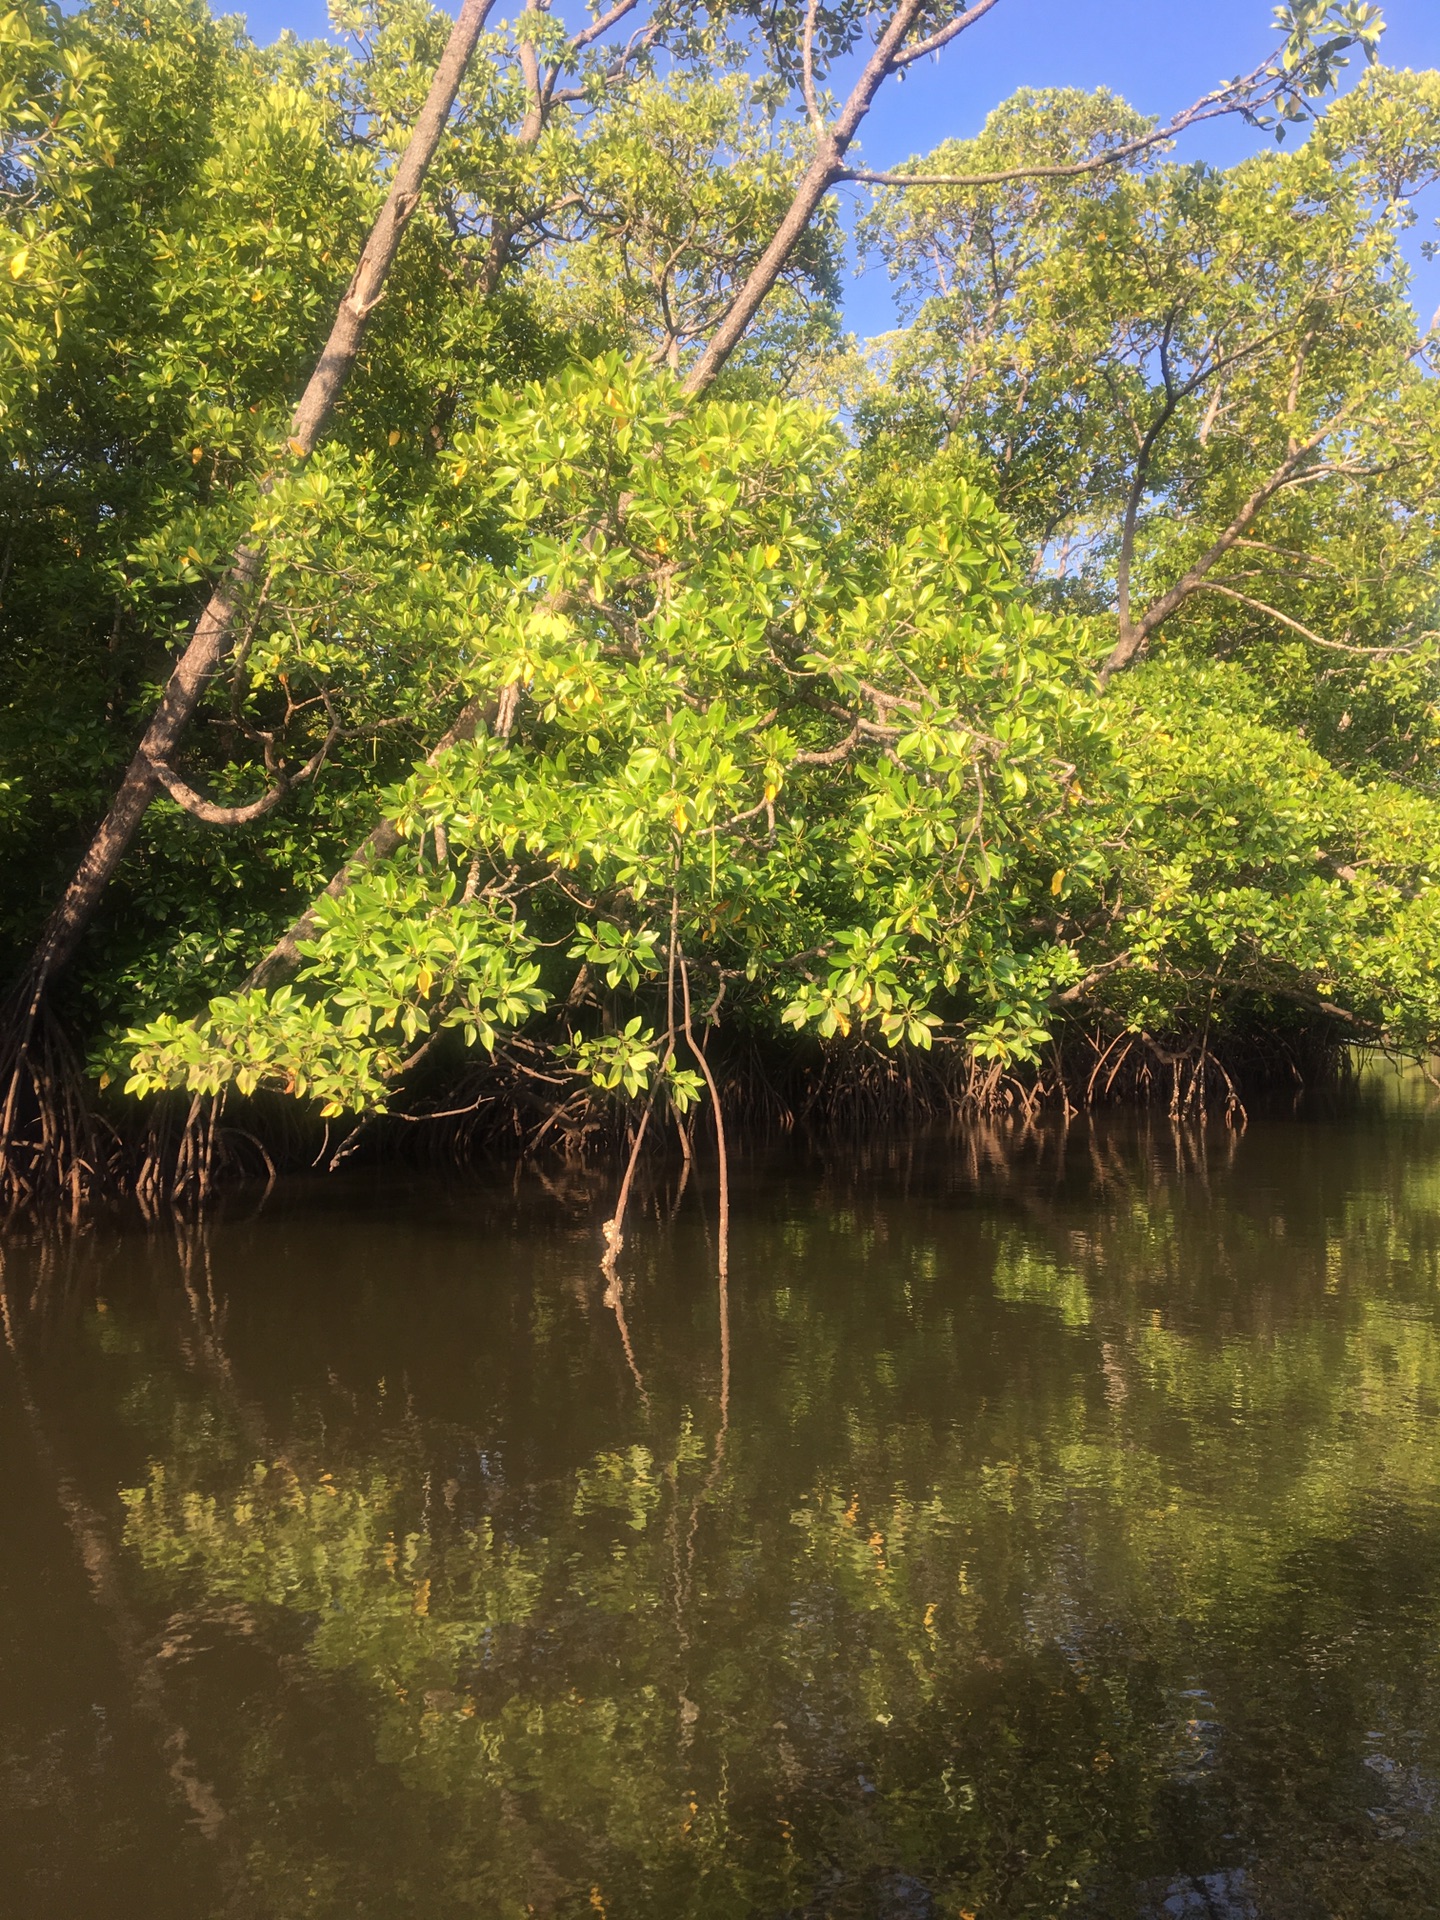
(210, 641)
(28, 1107)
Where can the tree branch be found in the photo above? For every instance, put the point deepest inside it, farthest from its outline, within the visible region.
(945, 34)
(383, 838)
(1130, 643)
(1237, 96)
(817, 181)
(1137, 486)
(598, 28)
(807, 66)
(1274, 613)
(215, 815)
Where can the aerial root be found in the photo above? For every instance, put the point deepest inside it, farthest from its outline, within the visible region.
(60, 1155)
(54, 1153)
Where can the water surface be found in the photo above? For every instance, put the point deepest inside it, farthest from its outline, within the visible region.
(1037, 1527)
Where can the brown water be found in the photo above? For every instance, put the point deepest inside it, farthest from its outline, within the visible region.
(1063, 1539)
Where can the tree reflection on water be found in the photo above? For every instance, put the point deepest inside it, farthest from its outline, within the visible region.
(1069, 1544)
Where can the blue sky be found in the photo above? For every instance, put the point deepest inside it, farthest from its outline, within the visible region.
(1160, 54)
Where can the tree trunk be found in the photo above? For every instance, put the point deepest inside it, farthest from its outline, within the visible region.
(211, 639)
(822, 173)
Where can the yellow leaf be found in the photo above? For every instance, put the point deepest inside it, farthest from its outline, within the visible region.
(424, 979)
(394, 436)
(1058, 880)
(17, 262)
(679, 818)
(197, 454)
(297, 447)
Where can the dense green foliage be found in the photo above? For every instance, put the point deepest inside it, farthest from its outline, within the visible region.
(1078, 676)
(746, 729)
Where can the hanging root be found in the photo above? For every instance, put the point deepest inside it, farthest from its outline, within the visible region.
(180, 1166)
(723, 1234)
(58, 1156)
(53, 1151)
(614, 1228)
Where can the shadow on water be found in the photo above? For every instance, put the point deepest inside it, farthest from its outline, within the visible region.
(1047, 1525)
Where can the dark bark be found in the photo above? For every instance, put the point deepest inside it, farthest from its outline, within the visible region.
(192, 673)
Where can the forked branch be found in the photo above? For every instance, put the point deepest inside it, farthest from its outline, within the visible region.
(214, 814)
